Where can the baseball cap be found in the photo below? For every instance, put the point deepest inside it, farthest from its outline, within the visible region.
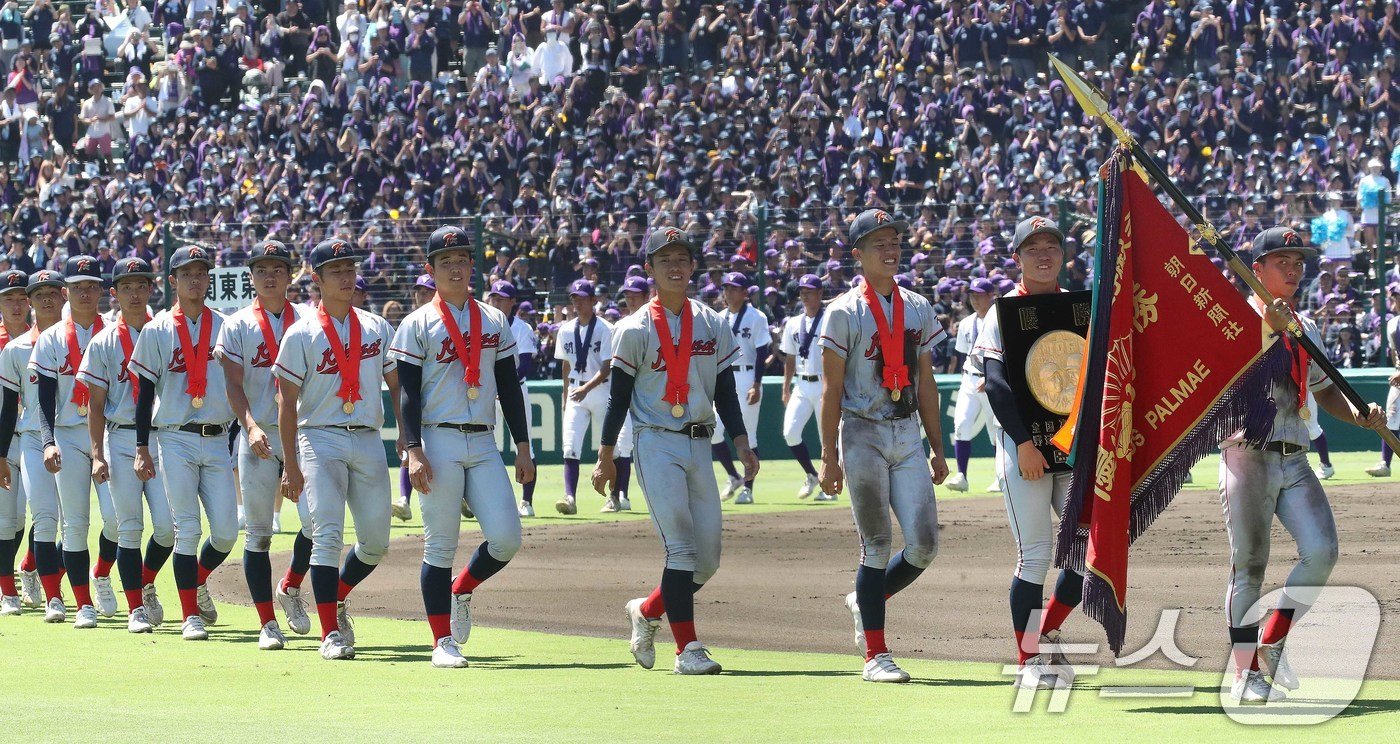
(809, 281)
(188, 254)
(904, 280)
(1032, 226)
(871, 220)
(42, 278)
(132, 267)
(13, 280)
(426, 281)
(526, 307)
(735, 279)
(447, 238)
(665, 236)
(361, 285)
(582, 288)
(331, 250)
(502, 289)
(1280, 239)
(982, 286)
(635, 284)
(270, 250)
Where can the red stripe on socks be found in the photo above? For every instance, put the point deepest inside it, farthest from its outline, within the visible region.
(684, 633)
(103, 568)
(343, 591)
(1023, 653)
(1054, 615)
(654, 606)
(1276, 627)
(7, 586)
(147, 576)
(133, 599)
(326, 611)
(441, 626)
(53, 584)
(465, 583)
(189, 604)
(28, 563)
(203, 575)
(292, 579)
(875, 644)
(265, 615)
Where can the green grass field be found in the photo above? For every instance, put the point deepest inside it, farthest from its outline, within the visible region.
(64, 684)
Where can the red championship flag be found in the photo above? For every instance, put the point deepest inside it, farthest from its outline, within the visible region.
(1176, 360)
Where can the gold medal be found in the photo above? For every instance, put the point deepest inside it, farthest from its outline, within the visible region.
(198, 401)
(894, 395)
(473, 393)
(1304, 413)
(678, 410)
(347, 407)
(82, 410)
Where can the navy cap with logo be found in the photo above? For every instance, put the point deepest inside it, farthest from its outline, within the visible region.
(983, 286)
(43, 278)
(189, 254)
(502, 289)
(871, 220)
(735, 279)
(330, 251)
(582, 288)
(271, 250)
(13, 280)
(1279, 239)
(667, 236)
(635, 285)
(132, 267)
(809, 281)
(448, 238)
(1032, 226)
(82, 269)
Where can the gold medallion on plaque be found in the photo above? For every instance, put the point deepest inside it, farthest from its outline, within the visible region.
(1052, 370)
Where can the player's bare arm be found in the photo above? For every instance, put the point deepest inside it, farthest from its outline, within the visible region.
(929, 415)
(288, 393)
(1336, 404)
(789, 369)
(833, 382)
(238, 400)
(97, 427)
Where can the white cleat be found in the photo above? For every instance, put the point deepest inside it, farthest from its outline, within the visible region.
(9, 605)
(809, 486)
(994, 487)
(643, 634)
(526, 509)
(609, 507)
(336, 647)
(1273, 664)
(139, 621)
(1381, 470)
(270, 638)
(1036, 673)
(86, 619)
(193, 629)
(1189, 479)
(566, 506)
(883, 669)
(276, 524)
(403, 511)
(745, 496)
(1060, 665)
(824, 497)
(55, 612)
(624, 503)
(29, 589)
(730, 490)
(956, 482)
(854, 608)
(448, 655)
(104, 596)
(345, 623)
(294, 607)
(461, 623)
(1251, 688)
(695, 659)
(155, 611)
(242, 520)
(207, 611)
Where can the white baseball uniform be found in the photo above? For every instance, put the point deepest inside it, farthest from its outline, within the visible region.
(799, 341)
(971, 412)
(526, 342)
(585, 347)
(39, 485)
(12, 498)
(750, 329)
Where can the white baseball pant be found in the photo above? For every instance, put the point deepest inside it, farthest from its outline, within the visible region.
(345, 469)
(1392, 408)
(579, 415)
(261, 482)
(1029, 505)
(74, 481)
(971, 412)
(127, 491)
(40, 488)
(197, 473)
(529, 416)
(804, 402)
(677, 475)
(743, 380)
(466, 465)
(12, 501)
(626, 439)
(886, 471)
(1314, 426)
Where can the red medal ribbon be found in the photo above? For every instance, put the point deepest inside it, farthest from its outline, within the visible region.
(124, 336)
(1298, 368)
(677, 356)
(75, 358)
(269, 339)
(196, 357)
(468, 350)
(348, 360)
(891, 337)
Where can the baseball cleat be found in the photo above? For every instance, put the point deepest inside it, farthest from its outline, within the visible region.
(566, 505)
(335, 647)
(155, 611)
(207, 611)
(294, 607)
(1036, 674)
(29, 589)
(345, 623)
(403, 511)
(448, 655)
(1189, 479)
(994, 487)
(9, 605)
(1325, 472)
(193, 629)
(624, 503)
(809, 486)
(956, 482)
(609, 507)
(883, 669)
(1381, 470)
(1252, 688)
(695, 659)
(733, 488)
(854, 607)
(643, 634)
(86, 618)
(270, 638)
(139, 621)
(55, 612)
(1273, 664)
(242, 520)
(461, 622)
(276, 524)
(104, 596)
(526, 509)
(1050, 644)
(466, 512)
(745, 496)
(823, 496)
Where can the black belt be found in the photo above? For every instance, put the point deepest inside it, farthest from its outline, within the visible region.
(347, 427)
(1283, 448)
(121, 427)
(744, 367)
(697, 431)
(204, 430)
(901, 416)
(466, 428)
(808, 378)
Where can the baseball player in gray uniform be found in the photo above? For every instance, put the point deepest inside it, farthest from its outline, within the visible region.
(1032, 495)
(802, 388)
(247, 348)
(877, 377)
(456, 359)
(674, 369)
(181, 397)
(424, 290)
(971, 412)
(527, 345)
(1258, 483)
(330, 367)
(14, 323)
(582, 347)
(752, 337)
(111, 430)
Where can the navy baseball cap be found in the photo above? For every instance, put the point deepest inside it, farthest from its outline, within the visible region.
(636, 284)
(983, 286)
(809, 281)
(665, 236)
(871, 220)
(82, 269)
(582, 288)
(1279, 239)
(502, 289)
(188, 254)
(361, 285)
(735, 279)
(448, 238)
(271, 250)
(1032, 226)
(904, 280)
(13, 280)
(526, 307)
(332, 250)
(42, 278)
(132, 267)
(426, 282)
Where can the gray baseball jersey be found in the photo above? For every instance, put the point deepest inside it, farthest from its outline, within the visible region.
(104, 366)
(158, 358)
(637, 348)
(570, 340)
(241, 341)
(750, 329)
(50, 359)
(795, 329)
(422, 340)
(849, 329)
(15, 375)
(306, 360)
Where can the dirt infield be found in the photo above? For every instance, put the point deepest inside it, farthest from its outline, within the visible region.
(783, 577)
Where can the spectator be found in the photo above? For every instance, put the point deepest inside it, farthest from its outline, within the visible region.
(98, 115)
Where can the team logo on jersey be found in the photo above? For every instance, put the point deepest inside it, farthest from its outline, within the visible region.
(261, 358)
(177, 359)
(448, 353)
(872, 352)
(328, 365)
(697, 348)
(124, 374)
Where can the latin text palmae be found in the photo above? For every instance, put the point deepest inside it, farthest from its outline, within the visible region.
(1183, 389)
